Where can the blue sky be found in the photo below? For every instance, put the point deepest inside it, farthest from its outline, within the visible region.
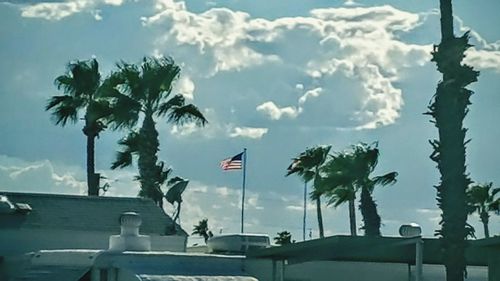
(272, 76)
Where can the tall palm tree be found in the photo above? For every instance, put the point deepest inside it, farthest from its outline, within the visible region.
(307, 165)
(481, 199)
(83, 92)
(349, 172)
(145, 91)
(448, 109)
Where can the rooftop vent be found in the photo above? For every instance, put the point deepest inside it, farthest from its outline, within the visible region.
(237, 243)
(410, 230)
(23, 208)
(129, 238)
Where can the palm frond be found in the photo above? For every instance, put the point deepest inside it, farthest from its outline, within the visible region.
(123, 159)
(340, 195)
(130, 144)
(387, 179)
(125, 111)
(186, 114)
(64, 108)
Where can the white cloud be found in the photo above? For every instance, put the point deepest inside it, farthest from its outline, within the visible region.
(58, 10)
(310, 94)
(360, 43)
(21, 176)
(185, 86)
(248, 132)
(483, 59)
(275, 112)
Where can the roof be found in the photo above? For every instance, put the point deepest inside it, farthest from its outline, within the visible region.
(86, 213)
(50, 273)
(365, 249)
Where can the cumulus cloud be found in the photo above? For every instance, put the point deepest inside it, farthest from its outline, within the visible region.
(59, 10)
(275, 112)
(359, 43)
(21, 176)
(248, 132)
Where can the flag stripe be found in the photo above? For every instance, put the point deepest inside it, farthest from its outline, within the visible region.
(232, 163)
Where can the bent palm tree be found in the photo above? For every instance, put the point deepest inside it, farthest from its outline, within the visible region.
(350, 172)
(145, 91)
(307, 165)
(481, 199)
(82, 88)
(448, 109)
(176, 185)
(201, 229)
(338, 185)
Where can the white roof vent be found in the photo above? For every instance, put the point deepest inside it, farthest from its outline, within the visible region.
(410, 230)
(129, 238)
(237, 243)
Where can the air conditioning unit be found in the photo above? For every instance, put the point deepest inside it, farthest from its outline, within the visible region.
(237, 243)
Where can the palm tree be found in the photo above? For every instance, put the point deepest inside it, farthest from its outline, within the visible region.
(83, 92)
(481, 199)
(283, 238)
(202, 229)
(448, 109)
(144, 91)
(307, 165)
(351, 171)
(338, 185)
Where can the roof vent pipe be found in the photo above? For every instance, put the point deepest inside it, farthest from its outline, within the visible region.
(129, 238)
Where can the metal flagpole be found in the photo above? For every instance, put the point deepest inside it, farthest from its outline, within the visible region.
(304, 219)
(243, 188)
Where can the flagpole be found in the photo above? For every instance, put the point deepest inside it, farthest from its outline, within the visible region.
(243, 188)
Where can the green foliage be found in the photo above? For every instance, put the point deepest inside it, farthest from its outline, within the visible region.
(83, 92)
(482, 199)
(307, 165)
(284, 237)
(348, 172)
(202, 230)
(145, 91)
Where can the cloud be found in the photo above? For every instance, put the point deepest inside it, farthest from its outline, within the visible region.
(361, 44)
(58, 10)
(275, 112)
(483, 59)
(248, 132)
(185, 86)
(17, 175)
(310, 94)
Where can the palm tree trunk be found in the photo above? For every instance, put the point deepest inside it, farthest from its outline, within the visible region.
(320, 218)
(92, 177)
(449, 109)
(371, 219)
(352, 217)
(148, 159)
(305, 213)
(485, 219)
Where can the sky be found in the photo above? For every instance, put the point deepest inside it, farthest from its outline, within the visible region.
(271, 76)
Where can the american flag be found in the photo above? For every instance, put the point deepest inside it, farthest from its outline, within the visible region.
(232, 163)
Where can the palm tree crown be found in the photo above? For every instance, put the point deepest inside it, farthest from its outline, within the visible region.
(83, 92)
(145, 91)
(307, 165)
(350, 171)
(482, 199)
